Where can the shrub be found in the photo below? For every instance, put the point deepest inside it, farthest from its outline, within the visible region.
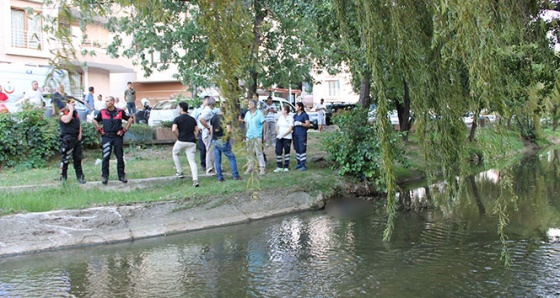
(354, 147)
(166, 124)
(29, 139)
(90, 137)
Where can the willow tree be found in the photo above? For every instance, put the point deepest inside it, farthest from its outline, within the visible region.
(445, 53)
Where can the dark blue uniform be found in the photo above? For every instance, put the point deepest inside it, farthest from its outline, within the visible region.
(300, 139)
(111, 121)
(70, 146)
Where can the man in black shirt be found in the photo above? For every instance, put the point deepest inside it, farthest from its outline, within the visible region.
(186, 130)
(220, 142)
(112, 134)
(70, 142)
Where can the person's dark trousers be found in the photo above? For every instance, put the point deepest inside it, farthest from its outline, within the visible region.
(283, 146)
(300, 146)
(109, 143)
(70, 147)
(262, 149)
(202, 149)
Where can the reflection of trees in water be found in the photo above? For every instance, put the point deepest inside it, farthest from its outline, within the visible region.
(522, 198)
(415, 199)
(476, 194)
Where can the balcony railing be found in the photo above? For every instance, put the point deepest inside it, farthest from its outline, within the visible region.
(28, 40)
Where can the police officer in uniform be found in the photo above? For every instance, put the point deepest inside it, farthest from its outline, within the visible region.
(109, 125)
(70, 141)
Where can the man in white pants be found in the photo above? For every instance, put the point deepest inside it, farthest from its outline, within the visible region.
(186, 130)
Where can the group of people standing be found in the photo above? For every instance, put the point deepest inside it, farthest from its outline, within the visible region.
(207, 125)
(260, 128)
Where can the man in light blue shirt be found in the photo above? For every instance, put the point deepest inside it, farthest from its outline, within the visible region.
(90, 104)
(254, 121)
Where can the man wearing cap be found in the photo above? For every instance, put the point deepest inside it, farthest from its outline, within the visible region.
(112, 134)
(70, 141)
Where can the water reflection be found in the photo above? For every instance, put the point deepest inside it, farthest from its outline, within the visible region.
(527, 192)
(437, 252)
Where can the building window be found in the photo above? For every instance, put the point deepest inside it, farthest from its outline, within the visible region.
(156, 57)
(334, 88)
(26, 30)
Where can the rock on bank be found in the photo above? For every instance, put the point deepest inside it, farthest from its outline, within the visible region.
(35, 232)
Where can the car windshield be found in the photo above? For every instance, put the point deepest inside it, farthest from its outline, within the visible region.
(165, 105)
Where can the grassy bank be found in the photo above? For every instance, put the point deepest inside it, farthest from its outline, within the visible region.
(152, 162)
(156, 161)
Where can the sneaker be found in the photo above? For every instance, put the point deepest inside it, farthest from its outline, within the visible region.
(278, 170)
(195, 183)
(82, 180)
(262, 172)
(211, 173)
(104, 180)
(303, 168)
(286, 170)
(179, 175)
(298, 166)
(238, 178)
(123, 179)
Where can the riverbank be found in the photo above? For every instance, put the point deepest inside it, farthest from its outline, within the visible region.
(188, 209)
(43, 231)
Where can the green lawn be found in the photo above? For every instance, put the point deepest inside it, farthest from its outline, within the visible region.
(156, 161)
(149, 162)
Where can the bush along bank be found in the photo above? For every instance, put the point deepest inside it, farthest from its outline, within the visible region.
(29, 139)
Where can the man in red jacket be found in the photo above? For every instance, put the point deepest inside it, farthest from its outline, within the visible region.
(109, 125)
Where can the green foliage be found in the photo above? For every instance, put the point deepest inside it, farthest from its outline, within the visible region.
(166, 123)
(142, 130)
(29, 140)
(355, 149)
(90, 137)
(9, 140)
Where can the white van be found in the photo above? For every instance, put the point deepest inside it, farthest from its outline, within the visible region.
(16, 79)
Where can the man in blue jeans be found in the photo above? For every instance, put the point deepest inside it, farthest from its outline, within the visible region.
(222, 145)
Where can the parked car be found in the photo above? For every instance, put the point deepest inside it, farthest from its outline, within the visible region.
(392, 115)
(165, 110)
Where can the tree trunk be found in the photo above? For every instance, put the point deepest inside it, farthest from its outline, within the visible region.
(260, 14)
(474, 126)
(473, 131)
(365, 89)
(403, 112)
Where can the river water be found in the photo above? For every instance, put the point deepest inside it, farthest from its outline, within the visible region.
(449, 250)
